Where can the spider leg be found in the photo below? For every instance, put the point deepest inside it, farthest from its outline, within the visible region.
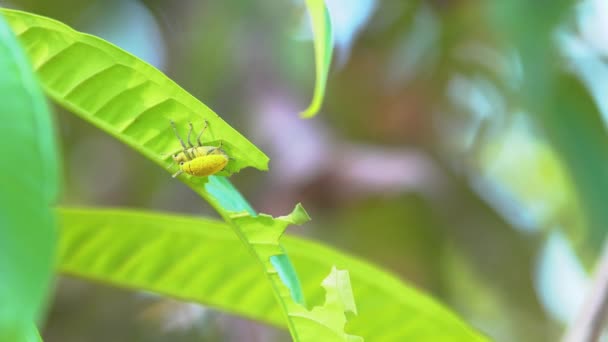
(178, 137)
(190, 133)
(188, 155)
(198, 138)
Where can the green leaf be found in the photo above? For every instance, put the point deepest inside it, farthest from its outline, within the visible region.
(323, 42)
(261, 234)
(123, 95)
(269, 253)
(201, 260)
(29, 173)
(135, 102)
(325, 323)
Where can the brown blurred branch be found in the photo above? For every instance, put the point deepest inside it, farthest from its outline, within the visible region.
(590, 321)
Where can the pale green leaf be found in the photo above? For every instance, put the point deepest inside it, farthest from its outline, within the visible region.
(201, 260)
(323, 44)
(338, 283)
(29, 173)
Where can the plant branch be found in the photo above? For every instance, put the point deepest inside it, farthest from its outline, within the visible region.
(588, 325)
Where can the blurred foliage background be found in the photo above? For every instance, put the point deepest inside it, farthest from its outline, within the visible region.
(462, 146)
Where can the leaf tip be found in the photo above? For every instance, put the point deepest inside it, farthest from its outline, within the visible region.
(297, 216)
(310, 112)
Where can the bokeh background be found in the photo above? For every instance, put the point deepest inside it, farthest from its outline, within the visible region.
(462, 146)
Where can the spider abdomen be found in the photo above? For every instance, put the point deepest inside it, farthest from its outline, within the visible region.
(205, 165)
